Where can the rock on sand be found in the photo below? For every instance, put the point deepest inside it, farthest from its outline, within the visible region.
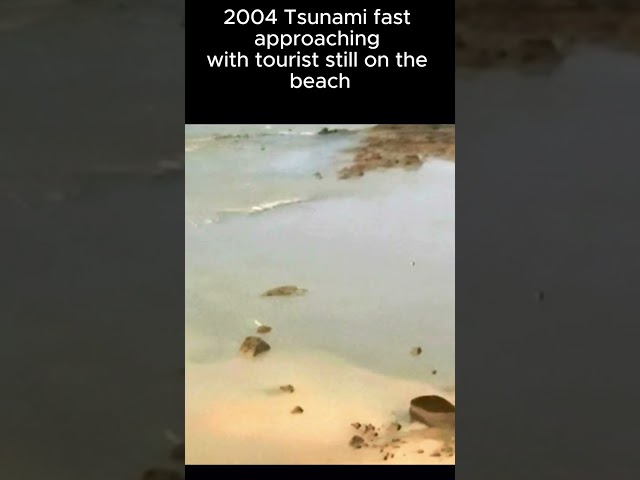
(284, 291)
(253, 346)
(433, 411)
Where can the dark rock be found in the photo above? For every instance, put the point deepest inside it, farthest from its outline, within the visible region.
(253, 346)
(386, 456)
(395, 426)
(433, 411)
(420, 451)
(297, 409)
(356, 441)
(161, 474)
(284, 291)
(415, 351)
(327, 131)
(263, 329)
(435, 454)
(287, 388)
(356, 425)
(433, 372)
(318, 175)
(177, 452)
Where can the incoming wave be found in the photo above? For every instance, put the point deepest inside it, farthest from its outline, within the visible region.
(263, 207)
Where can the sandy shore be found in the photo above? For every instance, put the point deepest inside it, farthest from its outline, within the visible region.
(238, 415)
(400, 146)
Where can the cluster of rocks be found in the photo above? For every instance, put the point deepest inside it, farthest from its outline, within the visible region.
(401, 146)
(431, 410)
(253, 346)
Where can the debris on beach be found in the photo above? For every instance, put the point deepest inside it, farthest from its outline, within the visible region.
(415, 351)
(386, 456)
(420, 451)
(253, 346)
(161, 474)
(436, 454)
(297, 409)
(433, 411)
(433, 372)
(318, 175)
(356, 425)
(285, 291)
(395, 426)
(287, 388)
(356, 441)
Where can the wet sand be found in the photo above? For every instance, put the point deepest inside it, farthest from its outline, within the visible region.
(334, 249)
(247, 419)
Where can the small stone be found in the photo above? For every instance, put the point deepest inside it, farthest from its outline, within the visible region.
(297, 409)
(433, 372)
(435, 454)
(318, 175)
(420, 451)
(356, 441)
(253, 346)
(284, 291)
(263, 329)
(287, 388)
(386, 456)
(356, 425)
(415, 351)
(393, 455)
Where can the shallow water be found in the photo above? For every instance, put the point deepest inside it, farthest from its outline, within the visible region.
(351, 243)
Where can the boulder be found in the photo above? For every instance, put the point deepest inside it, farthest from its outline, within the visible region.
(433, 411)
(253, 346)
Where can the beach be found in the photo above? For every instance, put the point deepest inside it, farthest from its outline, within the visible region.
(375, 257)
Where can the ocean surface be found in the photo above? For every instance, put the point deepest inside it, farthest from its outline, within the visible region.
(377, 254)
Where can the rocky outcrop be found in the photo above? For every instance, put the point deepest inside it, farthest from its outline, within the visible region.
(433, 411)
(400, 146)
(254, 346)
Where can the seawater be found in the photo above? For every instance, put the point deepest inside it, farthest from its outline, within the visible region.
(377, 254)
